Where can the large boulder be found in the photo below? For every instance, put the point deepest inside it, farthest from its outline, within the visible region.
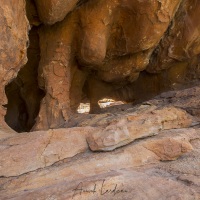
(132, 127)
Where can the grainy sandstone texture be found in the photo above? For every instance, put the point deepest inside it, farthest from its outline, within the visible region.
(103, 54)
(52, 11)
(124, 50)
(59, 164)
(55, 54)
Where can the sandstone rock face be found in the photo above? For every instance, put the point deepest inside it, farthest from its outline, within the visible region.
(58, 163)
(52, 11)
(23, 93)
(183, 40)
(13, 43)
(40, 149)
(97, 42)
(137, 126)
(120, 167)
(56, 64)
(84, 50)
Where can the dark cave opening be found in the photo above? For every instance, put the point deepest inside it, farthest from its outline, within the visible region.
(16, 116)
(23, 93)
(21, 110)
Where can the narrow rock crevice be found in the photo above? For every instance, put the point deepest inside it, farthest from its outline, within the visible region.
(23, 93)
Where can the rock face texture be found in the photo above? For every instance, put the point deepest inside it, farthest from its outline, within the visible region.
(23, 93)
(86, 51)
(42, 149)
(182, 41)
(132, 127)
(56, 54)
(13, 44)
(59, 163)
(52, 11)
(97, 49)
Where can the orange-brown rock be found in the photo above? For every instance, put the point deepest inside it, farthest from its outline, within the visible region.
(85, 40)
(13, 44)
(56, 71)
(114, 24)
(52, 11)
(104, 46)
(109, 44)
(23, 93)
(182, 41)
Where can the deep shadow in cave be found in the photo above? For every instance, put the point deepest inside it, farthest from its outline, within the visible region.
(23, 93)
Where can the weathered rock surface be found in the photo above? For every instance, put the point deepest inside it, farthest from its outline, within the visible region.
(136, 126)
(52, 11)
(58, 164)
(23, 92)
(116, 168)
(183, 40)
(124, 49)
(13, 44)
(6, 133)
(56, 64)
(30, 151)
(96, 42)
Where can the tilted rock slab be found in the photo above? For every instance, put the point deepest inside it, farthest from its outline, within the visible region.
(133, 127)
(30, 151)
(6, 133)
(59, 181)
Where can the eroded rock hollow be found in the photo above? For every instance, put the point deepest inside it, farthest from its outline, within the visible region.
(124, 50)
(23, 93)
(57, 54)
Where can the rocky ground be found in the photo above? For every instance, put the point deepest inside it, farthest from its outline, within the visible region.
(148, 151)
(57, 54)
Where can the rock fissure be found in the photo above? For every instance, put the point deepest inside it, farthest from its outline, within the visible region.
(46, 145)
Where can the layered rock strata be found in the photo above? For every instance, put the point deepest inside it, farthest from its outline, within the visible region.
(59, 163)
